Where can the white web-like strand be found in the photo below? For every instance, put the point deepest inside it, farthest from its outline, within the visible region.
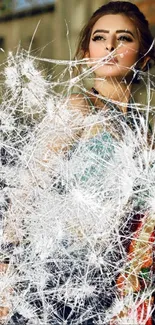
(66, 199)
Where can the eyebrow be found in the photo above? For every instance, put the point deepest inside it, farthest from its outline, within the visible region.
(117, 31)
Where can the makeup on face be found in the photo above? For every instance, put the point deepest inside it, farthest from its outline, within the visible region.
(114, 42)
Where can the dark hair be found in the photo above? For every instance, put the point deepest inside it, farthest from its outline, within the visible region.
(147, 48)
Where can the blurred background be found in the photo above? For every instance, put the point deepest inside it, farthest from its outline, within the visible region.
(50, 28)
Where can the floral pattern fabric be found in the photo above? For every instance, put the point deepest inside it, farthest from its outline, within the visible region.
(137, 277)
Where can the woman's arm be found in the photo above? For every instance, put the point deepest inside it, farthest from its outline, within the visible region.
(65, 127)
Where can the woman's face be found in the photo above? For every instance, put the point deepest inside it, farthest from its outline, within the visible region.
(114, 41)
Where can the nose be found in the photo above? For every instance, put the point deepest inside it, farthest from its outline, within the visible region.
(110, 47)
(110, 44)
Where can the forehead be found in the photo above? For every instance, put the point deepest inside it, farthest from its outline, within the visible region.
(114, 22)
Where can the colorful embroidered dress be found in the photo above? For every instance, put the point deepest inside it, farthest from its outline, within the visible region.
(137, 277)
(135, 282)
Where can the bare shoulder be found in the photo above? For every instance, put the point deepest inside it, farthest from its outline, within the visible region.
(78, 102)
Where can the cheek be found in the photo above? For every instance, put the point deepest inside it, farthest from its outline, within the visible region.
(95, 50)
(92, 53)
(128, 55)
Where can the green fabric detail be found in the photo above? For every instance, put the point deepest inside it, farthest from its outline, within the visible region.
(145, 273)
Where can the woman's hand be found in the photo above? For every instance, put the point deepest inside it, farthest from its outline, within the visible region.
(4, 310)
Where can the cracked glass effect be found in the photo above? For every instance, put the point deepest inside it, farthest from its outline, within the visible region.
(77, 205)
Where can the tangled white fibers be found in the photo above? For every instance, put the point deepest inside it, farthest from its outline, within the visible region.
(67, 200)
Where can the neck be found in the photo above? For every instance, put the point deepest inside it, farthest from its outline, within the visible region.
(115, 90)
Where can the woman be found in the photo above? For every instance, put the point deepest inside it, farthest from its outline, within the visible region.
(117, 48)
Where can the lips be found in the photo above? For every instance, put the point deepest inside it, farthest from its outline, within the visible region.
(110, 60)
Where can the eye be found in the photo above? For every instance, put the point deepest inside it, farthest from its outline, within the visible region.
(125, 38)
(98, 38)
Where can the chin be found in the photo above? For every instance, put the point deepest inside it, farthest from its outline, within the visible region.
(112, 73)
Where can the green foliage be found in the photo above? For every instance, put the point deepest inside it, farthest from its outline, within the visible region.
(5, 7)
